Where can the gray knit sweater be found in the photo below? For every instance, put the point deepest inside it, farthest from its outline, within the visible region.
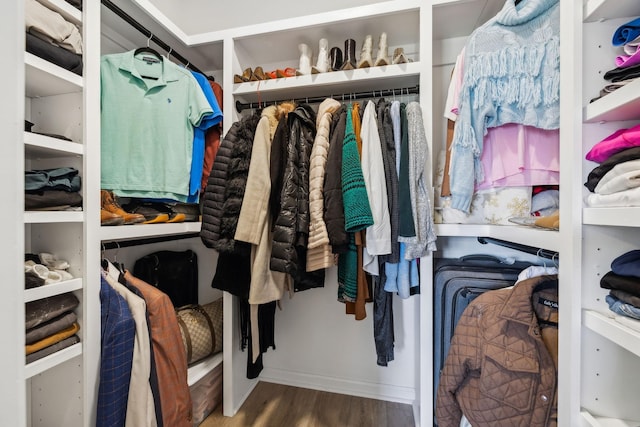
(425, 238)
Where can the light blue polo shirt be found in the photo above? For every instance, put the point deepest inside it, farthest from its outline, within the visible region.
(147, 126)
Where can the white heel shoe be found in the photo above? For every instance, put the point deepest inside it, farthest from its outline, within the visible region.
(365, 54)
(322, 66)
(305, 60)
(383, 55)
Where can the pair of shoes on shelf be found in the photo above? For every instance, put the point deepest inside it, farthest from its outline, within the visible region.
(51, 262)
(111, 210)
(156, 212)
(382, 57)
(47, 276)
(328, 59)
(244, 77)
(259, 74)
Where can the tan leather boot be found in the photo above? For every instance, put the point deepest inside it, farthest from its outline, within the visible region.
(108, 218)
(110, 204)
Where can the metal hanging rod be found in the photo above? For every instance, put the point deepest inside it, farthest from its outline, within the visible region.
(240, 106)
(543, 253)
(135, 24)
(146, 241)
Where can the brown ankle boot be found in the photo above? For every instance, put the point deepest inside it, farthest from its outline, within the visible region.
(110, 204)
(108, 218)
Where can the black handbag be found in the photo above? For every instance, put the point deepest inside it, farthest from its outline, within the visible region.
(174, 273)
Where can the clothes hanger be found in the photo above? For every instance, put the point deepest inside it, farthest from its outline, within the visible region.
(150, 51)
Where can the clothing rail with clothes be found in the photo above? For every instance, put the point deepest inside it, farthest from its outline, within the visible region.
(544, 253)
(240, 106)
(135, 24)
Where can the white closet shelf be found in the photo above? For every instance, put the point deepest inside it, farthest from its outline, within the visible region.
(48, 362)
(69, 12)
(52, 289)
(42, 146)
(606, 326)
(42, 78)
(199, 370)
(622, 104)
(594, 10)
(594, 421)
(123, 232)
(623, 217)
(51, 217)
(546, 239)
(334, 83)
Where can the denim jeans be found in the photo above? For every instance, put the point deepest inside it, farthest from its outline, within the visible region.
(622, 308)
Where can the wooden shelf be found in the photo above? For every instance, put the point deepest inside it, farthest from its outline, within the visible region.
(52, 217)
(606, 326)
(52, 289)
(622, 104)
(546, 239)
(202, 368)
(326, 84)
(69, 12)
(52, 360)
(622, 217)
(595, 10)
(42, 146)
(42, 78)
(137, 231)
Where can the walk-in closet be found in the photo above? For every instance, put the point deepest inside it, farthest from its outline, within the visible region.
(57, 124)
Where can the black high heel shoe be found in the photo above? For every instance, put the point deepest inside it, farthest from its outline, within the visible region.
(349, 55)
(335, 59)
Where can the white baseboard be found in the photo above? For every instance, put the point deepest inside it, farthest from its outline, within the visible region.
(378, 391)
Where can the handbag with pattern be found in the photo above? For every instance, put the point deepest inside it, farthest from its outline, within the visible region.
(201, 329)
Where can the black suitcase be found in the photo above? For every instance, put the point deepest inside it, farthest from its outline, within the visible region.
(457, 282)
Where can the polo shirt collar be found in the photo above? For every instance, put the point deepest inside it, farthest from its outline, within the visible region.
(169, 74)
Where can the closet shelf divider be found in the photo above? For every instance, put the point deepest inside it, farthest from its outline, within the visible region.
(48, 362)
(42, 78)
(46, 291)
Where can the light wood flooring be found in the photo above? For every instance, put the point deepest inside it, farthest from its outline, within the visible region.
(275, 405)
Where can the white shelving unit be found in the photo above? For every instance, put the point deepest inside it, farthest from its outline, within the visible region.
(607, 232)
(432, 34)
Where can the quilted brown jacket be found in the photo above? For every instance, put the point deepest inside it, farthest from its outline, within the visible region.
(499, 372)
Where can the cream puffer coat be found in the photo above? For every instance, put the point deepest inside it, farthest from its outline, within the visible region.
(501, 366)
(319, 253)
(254, 223)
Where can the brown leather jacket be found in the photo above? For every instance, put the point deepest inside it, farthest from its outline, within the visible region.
(501, 366)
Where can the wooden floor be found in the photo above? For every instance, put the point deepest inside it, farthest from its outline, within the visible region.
(274, 405)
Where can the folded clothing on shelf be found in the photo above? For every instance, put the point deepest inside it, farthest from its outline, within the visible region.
(51, 200)
(614, 143)
(43, 310)
(49, 328)
(600, 171)
(54, 54)
(68, 342)
(53, 338)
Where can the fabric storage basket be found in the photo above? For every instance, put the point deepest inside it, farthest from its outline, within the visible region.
(201, 329)
(206, 395)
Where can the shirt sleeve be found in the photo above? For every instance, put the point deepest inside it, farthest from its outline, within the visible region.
(199, 106)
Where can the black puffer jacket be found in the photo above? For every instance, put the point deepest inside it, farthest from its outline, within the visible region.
(225, 188)
(333, 203)
(291, 222)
